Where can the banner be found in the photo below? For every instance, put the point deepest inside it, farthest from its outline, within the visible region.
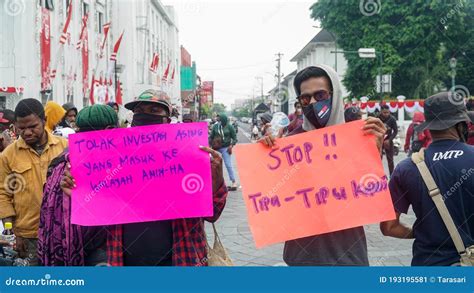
(45, 44)
(313, 183)
(140, 174)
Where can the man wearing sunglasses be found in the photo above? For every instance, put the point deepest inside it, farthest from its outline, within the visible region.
(319, 92)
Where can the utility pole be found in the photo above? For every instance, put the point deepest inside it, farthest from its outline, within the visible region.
(279, 75)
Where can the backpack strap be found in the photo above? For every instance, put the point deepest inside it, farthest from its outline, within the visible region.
(419, 159)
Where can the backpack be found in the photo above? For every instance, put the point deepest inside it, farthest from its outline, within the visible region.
(417, 139)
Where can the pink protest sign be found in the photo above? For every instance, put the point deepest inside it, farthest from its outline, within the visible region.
(140, 174)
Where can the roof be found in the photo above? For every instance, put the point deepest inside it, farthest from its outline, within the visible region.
(323, 36)
(262, 108)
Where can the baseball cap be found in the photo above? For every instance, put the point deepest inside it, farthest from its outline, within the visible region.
(151, 96)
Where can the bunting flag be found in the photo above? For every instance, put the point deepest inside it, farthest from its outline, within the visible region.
(63, 38)
(164, 79)
(83, 31)
(106, 88)
(62, 41)
(409, 105)
(91, 94)
(172, 76)
(118, 94)
(85, 62)
(106, 29)
(113, 57)
(154, 63)
(45, 46)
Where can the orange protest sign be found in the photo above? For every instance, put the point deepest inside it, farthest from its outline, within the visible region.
(313, 183)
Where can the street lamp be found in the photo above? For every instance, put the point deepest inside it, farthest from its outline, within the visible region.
(452, 65)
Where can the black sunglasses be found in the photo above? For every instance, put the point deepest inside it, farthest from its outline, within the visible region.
(320, 95)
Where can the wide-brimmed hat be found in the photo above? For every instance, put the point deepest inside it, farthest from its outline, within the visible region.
(444, 110)
(151, 96)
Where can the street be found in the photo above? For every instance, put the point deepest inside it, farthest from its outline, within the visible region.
(236, 237)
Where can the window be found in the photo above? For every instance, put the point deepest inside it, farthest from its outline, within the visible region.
(100, 22)
(85, 8)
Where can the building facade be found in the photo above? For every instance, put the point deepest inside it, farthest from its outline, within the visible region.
(320, 51)
(30, 49)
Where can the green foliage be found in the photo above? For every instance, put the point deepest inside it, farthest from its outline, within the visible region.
(241, 112)
(218, 108)
(416, 38)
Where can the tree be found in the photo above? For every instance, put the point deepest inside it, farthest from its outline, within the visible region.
(218, 108)
(411, 35)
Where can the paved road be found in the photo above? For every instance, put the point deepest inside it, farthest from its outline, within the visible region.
(236, 237)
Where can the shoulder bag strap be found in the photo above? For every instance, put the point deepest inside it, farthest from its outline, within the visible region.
(419, 160)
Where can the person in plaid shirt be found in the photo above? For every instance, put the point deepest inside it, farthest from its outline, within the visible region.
(178, 242)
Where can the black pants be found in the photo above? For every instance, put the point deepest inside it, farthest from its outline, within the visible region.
(389, 153)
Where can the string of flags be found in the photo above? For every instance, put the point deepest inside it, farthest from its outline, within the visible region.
(409, 105)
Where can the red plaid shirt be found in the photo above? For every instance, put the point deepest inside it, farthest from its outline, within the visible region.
(189, 238)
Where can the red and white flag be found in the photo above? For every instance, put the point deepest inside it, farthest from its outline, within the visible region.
(118, 94)
(83, 31)
(172, 76)
(165, 75)
(106, 28)
(154, 63)
(91, 94)
(113, 57)
(63, 38)
(62, 41)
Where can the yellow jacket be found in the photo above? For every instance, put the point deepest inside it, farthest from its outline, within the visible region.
(22, 176)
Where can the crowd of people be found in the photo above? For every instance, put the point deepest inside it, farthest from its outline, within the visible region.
(35, 158)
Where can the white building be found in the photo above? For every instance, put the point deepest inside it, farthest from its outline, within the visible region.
(149, 27)
(318, 51)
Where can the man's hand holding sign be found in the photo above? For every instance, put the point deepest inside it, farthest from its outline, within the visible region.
(312, 184)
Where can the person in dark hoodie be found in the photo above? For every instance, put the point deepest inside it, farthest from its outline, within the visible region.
(319, 92)
(69, 119)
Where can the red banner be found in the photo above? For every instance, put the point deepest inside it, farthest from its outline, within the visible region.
(85, 62)
(45, 45)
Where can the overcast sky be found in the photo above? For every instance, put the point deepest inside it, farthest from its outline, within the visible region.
(233, 41)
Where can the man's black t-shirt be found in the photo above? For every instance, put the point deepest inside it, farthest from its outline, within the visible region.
(148, 244)
(452, 165)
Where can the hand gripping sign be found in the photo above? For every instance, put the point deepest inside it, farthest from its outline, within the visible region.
(140, 174)
(313, 183)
